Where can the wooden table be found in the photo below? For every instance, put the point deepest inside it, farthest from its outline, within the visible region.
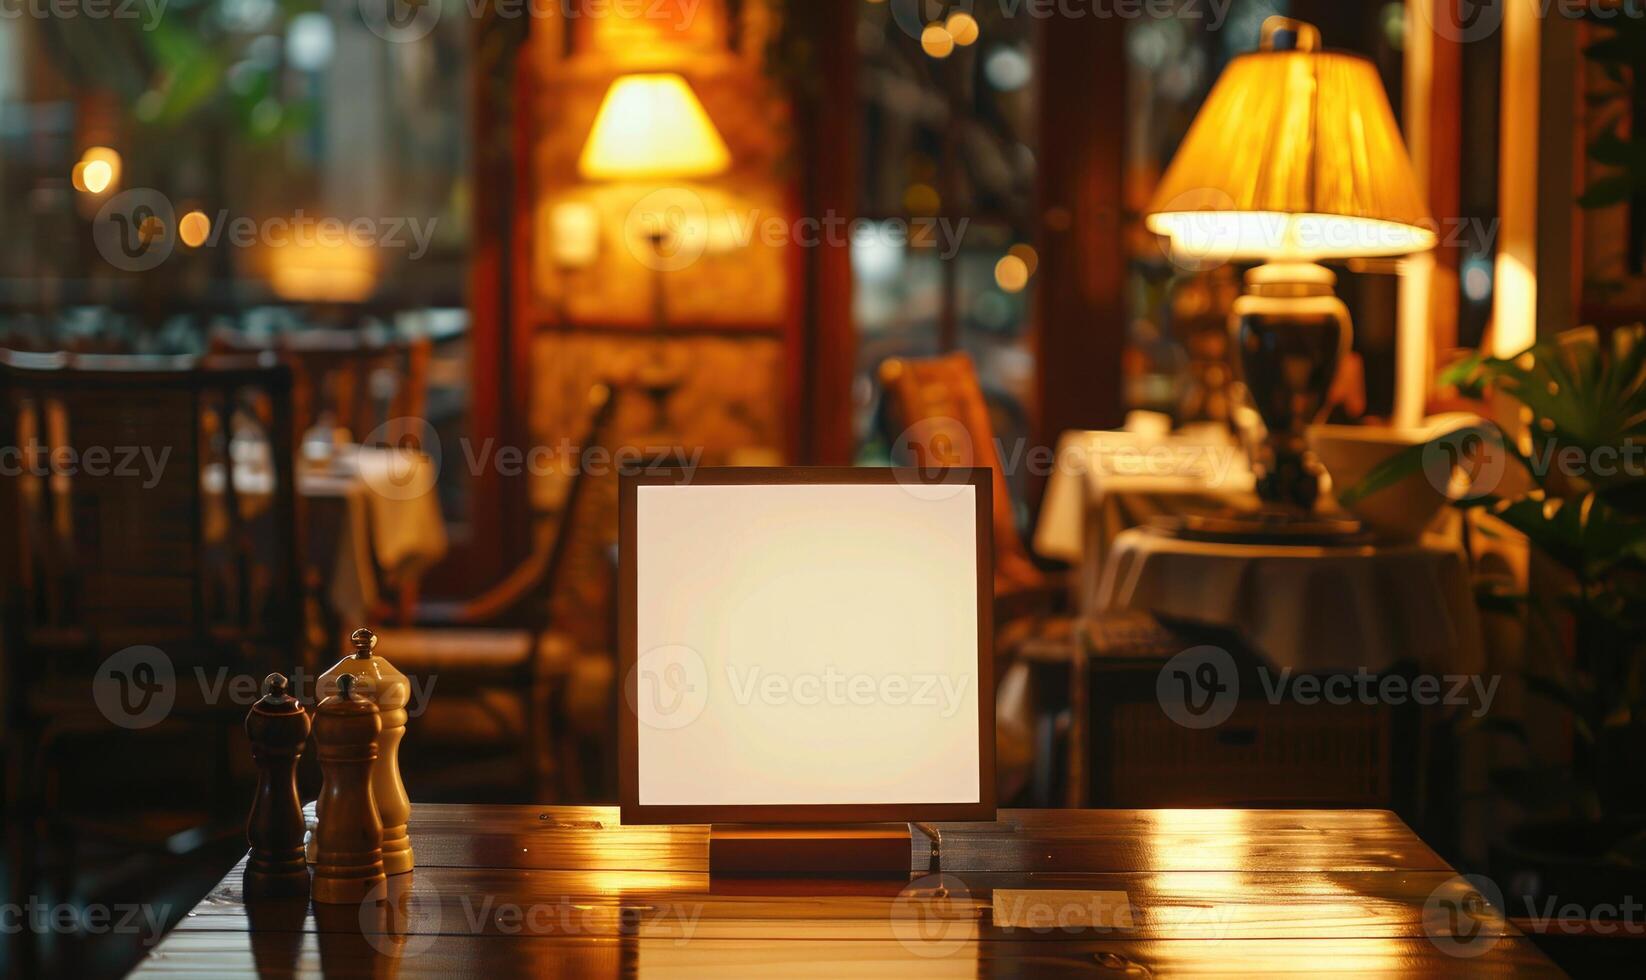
(504, 891)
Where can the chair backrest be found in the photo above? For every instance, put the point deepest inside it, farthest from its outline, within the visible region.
(527, 596)
(344, 373)
(601, 408)
(140, 518)
(581, 577)
(940, 405)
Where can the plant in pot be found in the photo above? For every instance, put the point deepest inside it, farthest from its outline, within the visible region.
(1575, 487)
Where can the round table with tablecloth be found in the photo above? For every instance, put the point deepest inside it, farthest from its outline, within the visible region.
(1307, 607)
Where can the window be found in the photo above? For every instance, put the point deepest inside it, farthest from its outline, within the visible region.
(944, 260)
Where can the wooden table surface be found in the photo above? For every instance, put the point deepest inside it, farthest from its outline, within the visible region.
(501, 891)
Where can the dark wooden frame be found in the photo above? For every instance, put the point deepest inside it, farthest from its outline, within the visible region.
(628, 639)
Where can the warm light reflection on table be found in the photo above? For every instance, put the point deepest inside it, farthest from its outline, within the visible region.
(569, 892)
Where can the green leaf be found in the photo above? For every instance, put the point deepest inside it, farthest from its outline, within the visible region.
(1493, 725)
(1606, 192)
(1584, 534)
(1539, 789)
(1491, 598)
(1412, 460)
(1574, 701)
(1631, 851)
(1555, 690)
(1464, 375)
(193, 72)
(1586, 398)
(1623, 46)
(1386, 474)
(1612, 150)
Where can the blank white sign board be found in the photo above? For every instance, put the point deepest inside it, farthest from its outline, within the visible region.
(807, 644)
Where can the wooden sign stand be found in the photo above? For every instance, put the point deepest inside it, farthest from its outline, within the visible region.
(878, 850)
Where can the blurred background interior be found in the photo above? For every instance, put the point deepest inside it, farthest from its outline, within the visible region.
(838, 223)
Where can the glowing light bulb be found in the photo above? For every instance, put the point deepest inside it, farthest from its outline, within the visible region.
(936, 41)
(193, 228)
(1011, 273)
(962, 27)
(1026, 252)
(96, 176)
(97, 171)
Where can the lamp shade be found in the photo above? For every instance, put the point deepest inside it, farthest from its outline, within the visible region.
(652, 127)
(1295, 155)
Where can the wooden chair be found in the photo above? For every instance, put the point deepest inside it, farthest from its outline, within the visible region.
(940, 405)
(945, 421)
(109, 549)
(497, 660)
(339, 371)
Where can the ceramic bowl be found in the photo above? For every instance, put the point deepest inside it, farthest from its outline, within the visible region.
(1400, 512)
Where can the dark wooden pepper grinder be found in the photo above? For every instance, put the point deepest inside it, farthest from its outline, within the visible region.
(348, 831)
(277, 726)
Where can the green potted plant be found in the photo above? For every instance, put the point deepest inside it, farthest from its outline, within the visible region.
(1575, 487)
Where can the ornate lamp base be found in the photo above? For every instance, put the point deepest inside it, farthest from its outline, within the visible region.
(1290, 331)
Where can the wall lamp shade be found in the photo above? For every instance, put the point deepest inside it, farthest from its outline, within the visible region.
(650, 127)
(1295, 155)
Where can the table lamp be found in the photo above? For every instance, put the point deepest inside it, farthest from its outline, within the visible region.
(1295, 158)
(651, 127)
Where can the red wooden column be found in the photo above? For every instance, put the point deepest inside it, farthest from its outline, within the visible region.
(498, 397)
(1081, 298)
(828, 117)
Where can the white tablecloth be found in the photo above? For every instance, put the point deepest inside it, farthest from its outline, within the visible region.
(1106, 482)
(390, 521)
(1309, 608)
(393, 522)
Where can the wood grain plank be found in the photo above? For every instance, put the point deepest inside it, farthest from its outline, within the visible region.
(568, 891)
(219, 955)
(461, 835)
(1165, 905)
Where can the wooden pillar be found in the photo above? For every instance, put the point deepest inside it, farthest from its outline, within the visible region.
(1433, 117)
(1559, 146)
(499, 507)
(1081, 288)
(828, 137)
(1536, 189)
